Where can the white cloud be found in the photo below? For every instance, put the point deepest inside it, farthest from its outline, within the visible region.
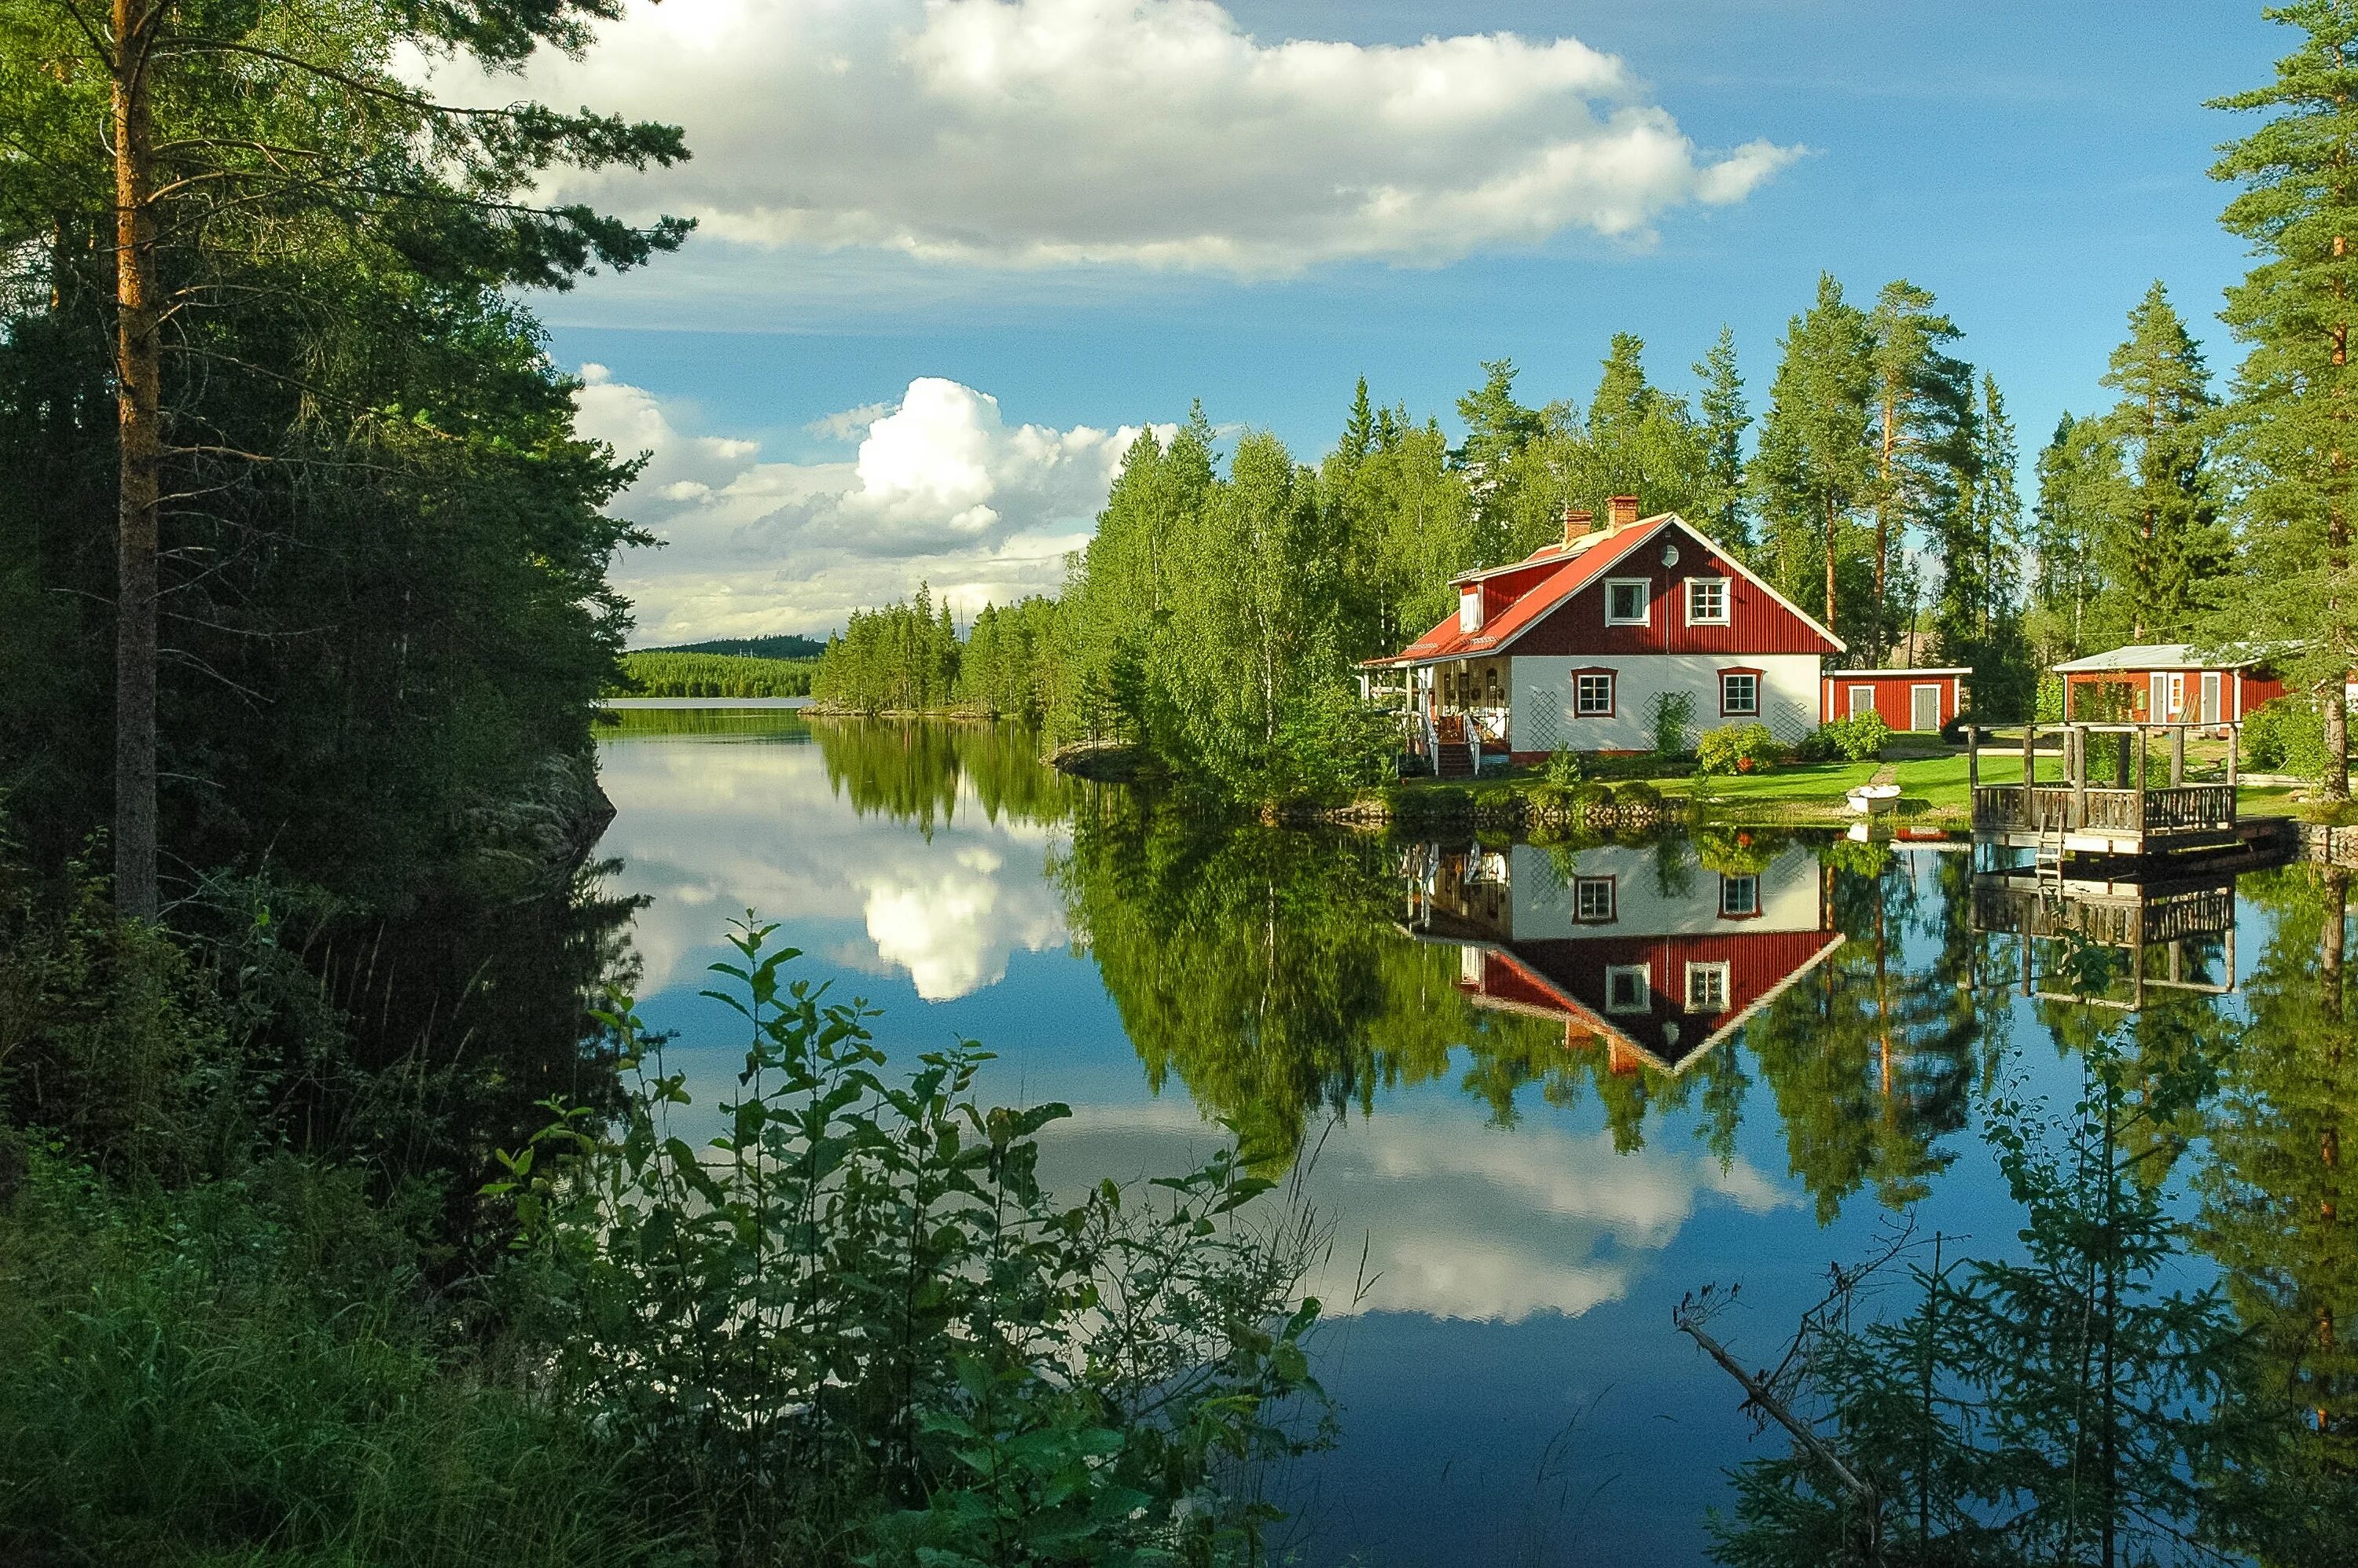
(698, 832)
(942, 490)
(1131, 132)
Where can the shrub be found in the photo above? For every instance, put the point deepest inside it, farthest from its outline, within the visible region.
(1858, 740)
(1737, 749)
(1639, 794)
(1673, 711)
(2285, 736)
(857, 1319)
(1563, 768)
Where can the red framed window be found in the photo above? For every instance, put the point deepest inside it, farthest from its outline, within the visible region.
(1592, 694)
(1739, 694)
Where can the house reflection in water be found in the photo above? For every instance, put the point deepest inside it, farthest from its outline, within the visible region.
(1636, 946)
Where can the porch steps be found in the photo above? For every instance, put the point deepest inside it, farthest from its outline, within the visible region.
(1454, 760)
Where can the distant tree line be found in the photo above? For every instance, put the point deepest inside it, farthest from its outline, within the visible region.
(660, 674)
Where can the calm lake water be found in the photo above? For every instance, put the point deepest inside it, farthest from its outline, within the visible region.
(1539, 1094)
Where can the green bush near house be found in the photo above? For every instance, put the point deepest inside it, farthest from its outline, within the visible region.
(1638, 793)
(1739, 749)
(1857, 740)
(2285, 736)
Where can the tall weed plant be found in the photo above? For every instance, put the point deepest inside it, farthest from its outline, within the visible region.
(855, 1326)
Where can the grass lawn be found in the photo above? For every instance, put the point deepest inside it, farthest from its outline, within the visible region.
(1930, 785)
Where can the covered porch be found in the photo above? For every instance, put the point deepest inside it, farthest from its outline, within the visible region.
(1454, 714)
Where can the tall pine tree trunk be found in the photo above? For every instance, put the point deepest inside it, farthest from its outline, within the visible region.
(1830, 565)
(138, 416)
(2337, 553)
(1883, 529)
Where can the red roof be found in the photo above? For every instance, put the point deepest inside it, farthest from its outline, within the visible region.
(1584, 560)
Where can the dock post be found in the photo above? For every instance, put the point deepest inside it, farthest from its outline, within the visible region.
(2235, 734)
(1973, 759)
(2078, 750)
(2030, 766)
(2121, 759)
(2176, 757)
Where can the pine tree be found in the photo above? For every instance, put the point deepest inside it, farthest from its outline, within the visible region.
(1977, 621)
(2075, 472)
(1359, 434)
(1923, 406)
(2290, 432)
(2160, 539)
(1816, 464)
(233, 138)
(1725, 420)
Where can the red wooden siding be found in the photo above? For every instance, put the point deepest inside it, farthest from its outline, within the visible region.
(2085, 689)
(1757, 622)
(1758, 962)
(1894, 696)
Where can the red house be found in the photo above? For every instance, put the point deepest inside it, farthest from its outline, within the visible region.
(1571, 646)
(1907, 699)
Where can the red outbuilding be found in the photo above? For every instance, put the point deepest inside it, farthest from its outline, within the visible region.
(1909, 699)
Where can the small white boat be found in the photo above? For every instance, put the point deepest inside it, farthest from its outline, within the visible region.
(1869, 800)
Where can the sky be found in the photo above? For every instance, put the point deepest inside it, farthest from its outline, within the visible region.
(952, 254)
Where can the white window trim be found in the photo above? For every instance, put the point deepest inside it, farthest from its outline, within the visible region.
(1725, 977)
(1612, 695)
(1727, 712)
(1851, 708)
(1612, 915)
(1726, 601)
(1645, 616)
(1731, 880)
(1645, 974)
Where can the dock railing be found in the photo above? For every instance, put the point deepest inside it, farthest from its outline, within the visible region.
(2129, 808)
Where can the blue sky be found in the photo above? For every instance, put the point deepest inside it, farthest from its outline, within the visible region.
(2035, 166)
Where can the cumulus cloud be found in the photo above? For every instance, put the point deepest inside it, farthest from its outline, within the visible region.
(942, 490)
(1133, 132)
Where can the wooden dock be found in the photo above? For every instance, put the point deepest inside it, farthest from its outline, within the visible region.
(2125, 815)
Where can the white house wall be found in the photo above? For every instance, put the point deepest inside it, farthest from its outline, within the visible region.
(1541, 894)
(1541, 719)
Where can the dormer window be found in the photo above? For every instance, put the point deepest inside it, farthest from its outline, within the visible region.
(1626, 600)
(1469, 610)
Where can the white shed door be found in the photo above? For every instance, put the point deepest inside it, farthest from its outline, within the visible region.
(2210, 696)
(1924, 708)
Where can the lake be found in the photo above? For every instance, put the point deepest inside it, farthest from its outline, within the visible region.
(1539, 1093)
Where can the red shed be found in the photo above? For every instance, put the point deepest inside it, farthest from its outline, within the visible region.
(2164, 683)
(1907, 699)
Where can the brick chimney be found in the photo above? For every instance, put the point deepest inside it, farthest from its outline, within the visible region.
(1577, 522)
(1622, 510)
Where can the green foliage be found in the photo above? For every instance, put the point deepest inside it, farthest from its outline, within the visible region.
(2286, 428)
(712, 674)
(1739, 749)
(2159, 538)
(1856, 739)
(2048, 706)
(858, 1322)
(1815, 468)
(903, 658)
(1564, 769)
(2286, 735)
(1673, 714)
(1638, 795)
(253, 1370)
(778, 645)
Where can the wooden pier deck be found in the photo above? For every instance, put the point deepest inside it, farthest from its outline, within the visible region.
(2125, 815)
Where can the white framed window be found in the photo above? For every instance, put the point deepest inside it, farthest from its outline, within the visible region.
(1593, 900)
(1592, 695)
(1469, 610)
(1707, 601)
(1739, 694)
(1628, 600)
(1739, 897)
(1706, 988)
(1629, 987)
